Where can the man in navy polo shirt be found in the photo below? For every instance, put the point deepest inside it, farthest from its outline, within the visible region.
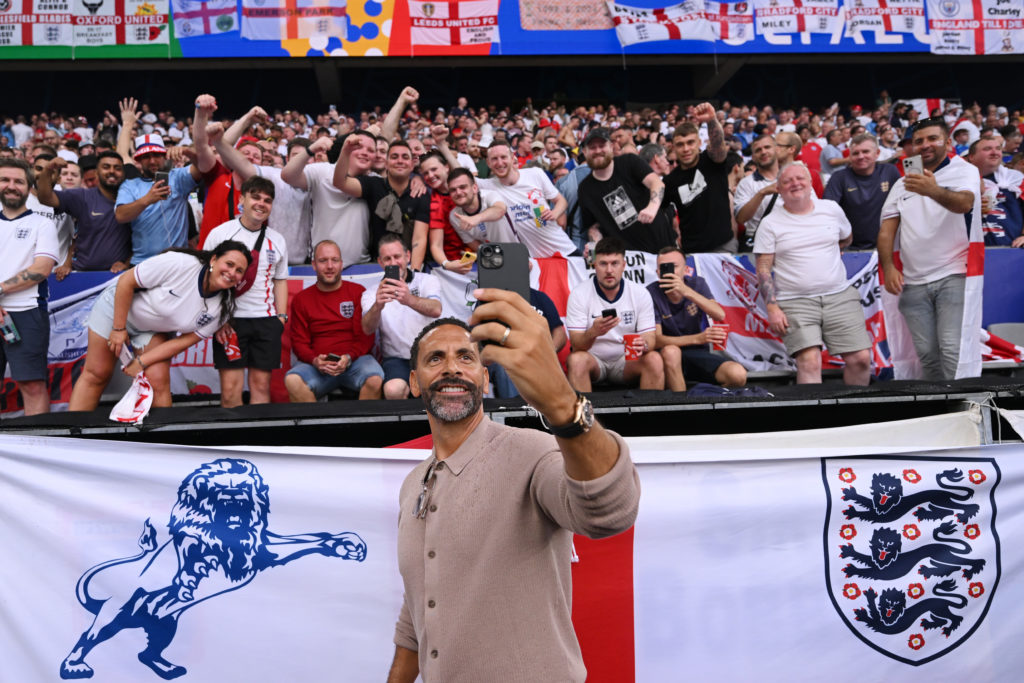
(860, 189)
(682, 302)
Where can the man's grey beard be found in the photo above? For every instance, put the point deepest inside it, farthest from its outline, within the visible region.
(446, 410)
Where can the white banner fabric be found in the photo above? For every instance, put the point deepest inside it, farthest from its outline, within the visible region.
(728, 564)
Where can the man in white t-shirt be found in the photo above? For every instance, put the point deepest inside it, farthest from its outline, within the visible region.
(336, 216)
(398, 310)
(261, 311)
(535, 207)
(599, 314)
(809, 301)
(28, 242)
(934, 215)
(290, 216)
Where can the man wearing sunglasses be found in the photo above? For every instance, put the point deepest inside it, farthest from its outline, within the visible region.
(485, 525)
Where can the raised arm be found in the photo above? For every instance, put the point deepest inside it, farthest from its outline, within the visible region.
(293, 171)
(440, 135)
(242, 124)
(129, 115)
(342, 180)
(389, 129)
(705, 113)
(530, 361)
(206, 159)
(230, 156)
(44, 182)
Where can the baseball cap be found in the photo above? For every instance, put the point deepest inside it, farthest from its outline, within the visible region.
(597, 134)
(149, 144)
(536, 144)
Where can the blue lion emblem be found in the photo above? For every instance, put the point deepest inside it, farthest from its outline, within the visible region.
(219, 542)
(888, 502)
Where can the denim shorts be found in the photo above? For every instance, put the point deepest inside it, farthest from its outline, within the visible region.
(361, 369)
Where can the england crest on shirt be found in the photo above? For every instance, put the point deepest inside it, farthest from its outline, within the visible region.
(911, 550)
(347, 309)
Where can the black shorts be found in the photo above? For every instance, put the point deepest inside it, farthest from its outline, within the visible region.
(700, 365)
(259, 341)
(27, 357)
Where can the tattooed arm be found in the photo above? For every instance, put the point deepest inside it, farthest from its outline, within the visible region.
(653, 183)
(777, 320)
(40, 269)
(705, 113)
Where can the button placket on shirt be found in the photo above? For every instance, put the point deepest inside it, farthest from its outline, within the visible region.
(431, 572)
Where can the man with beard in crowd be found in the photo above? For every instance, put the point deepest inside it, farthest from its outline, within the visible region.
(935, 213)
(28, 242)
(100, 243)
(622, 197)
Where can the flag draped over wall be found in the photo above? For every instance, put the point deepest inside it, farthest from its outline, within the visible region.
(738, 568)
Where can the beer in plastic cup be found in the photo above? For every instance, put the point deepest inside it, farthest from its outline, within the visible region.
(628, 341)
(721, 347)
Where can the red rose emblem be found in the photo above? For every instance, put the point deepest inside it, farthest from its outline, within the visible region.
(916, 641)
(847, 476)
(976, 476)
(848, 531)
(915, 590)
(851, 591)
(911, 532)
(972, 531)
(976, 589)
(911, 476)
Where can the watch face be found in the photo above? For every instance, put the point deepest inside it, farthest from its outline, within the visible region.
(588, 414)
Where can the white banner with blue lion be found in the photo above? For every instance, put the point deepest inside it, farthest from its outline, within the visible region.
(138, 563)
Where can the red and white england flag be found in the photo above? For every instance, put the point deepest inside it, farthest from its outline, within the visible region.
(994, 349)
(885, 16)
(456, 22)
(685, 21)
(976, 27)
(925, 106)
(35, 22)
(204, 17)
(731, 21)
(293, 19)
(797, 16)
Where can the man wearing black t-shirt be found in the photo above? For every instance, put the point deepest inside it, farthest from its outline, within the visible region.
(392, 206)
(622, 197)
(699, 186)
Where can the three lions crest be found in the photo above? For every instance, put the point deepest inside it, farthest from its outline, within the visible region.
(913, 562)
(219, 541)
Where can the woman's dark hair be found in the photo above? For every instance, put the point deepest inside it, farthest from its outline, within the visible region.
(227, 296)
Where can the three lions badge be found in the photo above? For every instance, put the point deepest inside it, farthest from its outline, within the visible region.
(218, 542)
(911, 550)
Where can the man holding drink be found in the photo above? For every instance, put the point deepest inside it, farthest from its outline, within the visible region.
(681, 303)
